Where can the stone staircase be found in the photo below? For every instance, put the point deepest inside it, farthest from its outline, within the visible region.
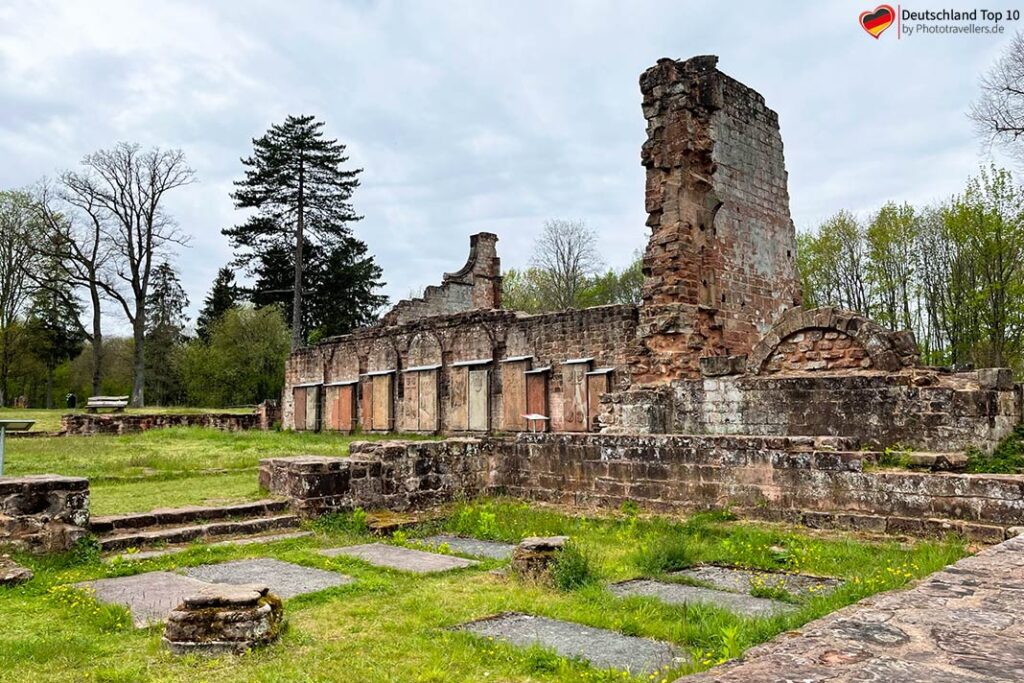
(168, 527)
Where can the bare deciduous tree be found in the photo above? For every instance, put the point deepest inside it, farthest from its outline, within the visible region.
(998, 113)
(566, 254)
(121, 190)
(73, 243)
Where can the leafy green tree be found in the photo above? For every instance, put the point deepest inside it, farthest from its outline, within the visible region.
(615, 286)
(519, 290)
(987, 223)
(19, 229)
(832, 264)
(297, 182)
(165, 332)
(116, 370)
(243, 361)
(892, 261)
(224, 295)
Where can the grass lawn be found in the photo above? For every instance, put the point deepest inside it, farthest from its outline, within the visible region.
(392, 627)
(166, 467)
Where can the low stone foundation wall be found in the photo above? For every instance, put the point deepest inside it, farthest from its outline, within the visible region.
(44, 512)
(87, 424)
(807, 480)
(920, 408)
(393, 475)
(815, 481)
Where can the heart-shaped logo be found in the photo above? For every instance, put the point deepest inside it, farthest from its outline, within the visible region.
(877, 20)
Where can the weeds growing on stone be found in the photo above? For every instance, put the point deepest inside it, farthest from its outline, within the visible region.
(1006, 458)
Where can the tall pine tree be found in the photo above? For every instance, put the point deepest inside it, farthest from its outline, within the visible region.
(224, 295)
(165, 333)
(326, 273)
(296, 181)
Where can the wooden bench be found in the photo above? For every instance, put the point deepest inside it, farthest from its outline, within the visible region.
(116, 404)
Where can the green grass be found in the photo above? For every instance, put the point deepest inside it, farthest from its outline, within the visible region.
(1006, 458)
(392, 627)
(48, 420)
(166, 467)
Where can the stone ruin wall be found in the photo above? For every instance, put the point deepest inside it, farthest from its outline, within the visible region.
(720, 263)
(477, 285)
(720, 344)
(484, 338)
(818, 482)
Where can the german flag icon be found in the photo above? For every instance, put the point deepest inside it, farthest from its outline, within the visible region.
(877, 20)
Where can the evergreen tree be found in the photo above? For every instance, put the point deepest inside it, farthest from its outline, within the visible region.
(327, 272)
(224, 295)
(55, 332)
(165, 327)
(296, 181)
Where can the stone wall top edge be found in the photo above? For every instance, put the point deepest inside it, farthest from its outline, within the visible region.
(466, 318)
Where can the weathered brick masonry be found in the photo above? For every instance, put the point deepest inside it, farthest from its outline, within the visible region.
(720, 263)
(818, 482)
(719, 345)
(43, 512)
(438, 355)
(84, 424)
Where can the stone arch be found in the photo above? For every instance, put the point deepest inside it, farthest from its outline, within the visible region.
(424, 349)
(471, 343)
(881, 348)
(341, 362)
(517, 344)
(383, 356)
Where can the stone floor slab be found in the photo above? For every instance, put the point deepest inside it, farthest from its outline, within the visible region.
(150, 597)
(681, 594)
(405, 559)
(472, 546)
(602, 648)
(742, 580)
(286, 580)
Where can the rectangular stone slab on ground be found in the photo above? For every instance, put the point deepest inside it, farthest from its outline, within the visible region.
(472, 546)
(150, 597)
(681, 594)
(600, 647)
(405, 559)
(285, 580)
(744, 580)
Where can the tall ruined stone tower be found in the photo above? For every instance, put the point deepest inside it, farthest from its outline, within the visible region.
(720, 264)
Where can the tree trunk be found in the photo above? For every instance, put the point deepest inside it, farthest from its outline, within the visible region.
(297, 338)
(97, 342)
(5, 367)
(49, 386)
(139, 358)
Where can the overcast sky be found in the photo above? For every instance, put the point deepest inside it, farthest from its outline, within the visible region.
(471, 116)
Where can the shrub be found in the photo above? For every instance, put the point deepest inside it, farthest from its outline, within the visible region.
(572, 568)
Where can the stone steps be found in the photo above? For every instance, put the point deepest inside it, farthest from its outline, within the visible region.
(241, 540)
(147, 537)
(178, 516)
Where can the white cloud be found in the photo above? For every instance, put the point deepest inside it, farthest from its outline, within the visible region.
(471, 115)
